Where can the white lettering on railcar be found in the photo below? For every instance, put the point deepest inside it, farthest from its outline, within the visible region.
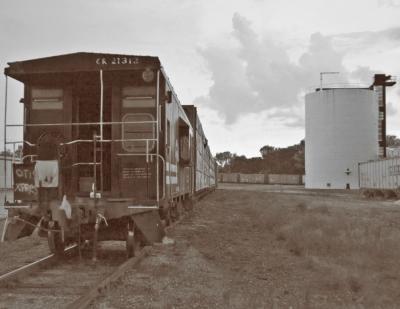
(23, 173)
(25, 188)
(117, 60)
(135, 173)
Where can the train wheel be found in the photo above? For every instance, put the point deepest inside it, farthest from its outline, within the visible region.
(55, 241)
(180, 209)
(174, 213)
(133, 242)
(165, 214)
(168, 219)
(188, 204)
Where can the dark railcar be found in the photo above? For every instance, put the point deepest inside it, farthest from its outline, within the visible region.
(109, 152)
(205, 170)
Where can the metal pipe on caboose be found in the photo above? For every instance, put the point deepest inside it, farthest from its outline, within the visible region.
(79, 123)
(158, 137)
(5, 132)
(101, 130)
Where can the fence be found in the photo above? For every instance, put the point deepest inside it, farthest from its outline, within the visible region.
(380, 174)
(284, 179)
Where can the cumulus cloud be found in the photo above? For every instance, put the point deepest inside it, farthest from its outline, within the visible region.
(256, 74)
(390, 109)
(359, 41)
(389, 3)
(363, 74)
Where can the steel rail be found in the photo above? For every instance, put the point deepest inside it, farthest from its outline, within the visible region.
(85, 300)
(26, 269)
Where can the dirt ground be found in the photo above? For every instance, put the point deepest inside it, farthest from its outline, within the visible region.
(21, 252)
(260, 246)
(244, 248)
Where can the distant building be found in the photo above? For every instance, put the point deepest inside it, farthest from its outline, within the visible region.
(393, 152)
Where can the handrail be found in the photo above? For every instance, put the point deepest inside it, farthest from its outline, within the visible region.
(79, 123)
(27, 156)
(109, 140)
(21, 142)
(89, 141)
(85, 163)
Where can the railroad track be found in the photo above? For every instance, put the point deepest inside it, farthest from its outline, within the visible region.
(71, 283)
(27, 269)
(67, 283)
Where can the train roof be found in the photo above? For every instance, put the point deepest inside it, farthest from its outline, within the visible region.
(79, 62)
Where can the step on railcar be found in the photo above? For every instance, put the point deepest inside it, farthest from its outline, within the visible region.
(109, 152)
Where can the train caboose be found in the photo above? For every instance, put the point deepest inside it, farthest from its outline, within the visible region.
(109, 153)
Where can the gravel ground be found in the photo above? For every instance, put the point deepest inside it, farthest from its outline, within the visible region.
(20, 252)
(248, 246)
(64, 282)
(252, 249)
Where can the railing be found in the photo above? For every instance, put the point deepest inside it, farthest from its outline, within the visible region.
(335, 86)
(79, 123)
(95, 140)
(76, 164)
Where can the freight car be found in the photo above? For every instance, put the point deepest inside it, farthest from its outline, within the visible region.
(109, 153)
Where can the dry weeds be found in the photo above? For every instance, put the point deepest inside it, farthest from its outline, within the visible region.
(355, 254)
(249, 249)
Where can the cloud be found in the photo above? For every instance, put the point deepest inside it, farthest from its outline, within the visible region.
(256, 74)
(253, 73)
(359, 41)
(389, 3)
(390, 109)
(291, 117)
(363, 74)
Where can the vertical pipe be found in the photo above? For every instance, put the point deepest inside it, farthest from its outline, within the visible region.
(94, 166)
(158, 141)
(101, 104)
(101, 129)
(5, 133)
(384, 120)
(320, 82)
(147, 151)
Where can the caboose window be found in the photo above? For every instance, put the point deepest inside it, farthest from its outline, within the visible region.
(47, 99)
(138, 132)
(133, 97)
(129, 102)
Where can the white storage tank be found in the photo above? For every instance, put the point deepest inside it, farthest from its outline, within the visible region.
(341, 131)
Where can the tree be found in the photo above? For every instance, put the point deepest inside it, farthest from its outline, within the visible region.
(392, 141)
(18, 152)
(224, 158)
(8, 153)
(289, 160)
(265, 150)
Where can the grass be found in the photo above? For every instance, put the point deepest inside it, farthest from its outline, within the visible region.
(355, 254)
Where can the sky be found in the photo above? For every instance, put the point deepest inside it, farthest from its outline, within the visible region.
(246, 64)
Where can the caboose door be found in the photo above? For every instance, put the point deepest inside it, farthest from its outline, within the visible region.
(138, 159)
